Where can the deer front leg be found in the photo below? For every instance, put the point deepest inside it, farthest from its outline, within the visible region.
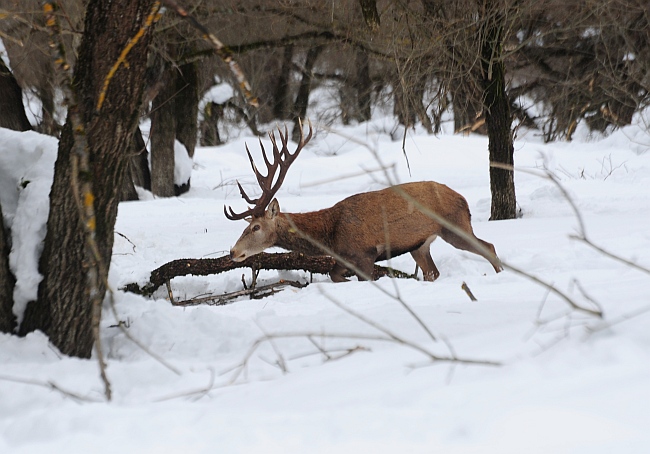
(422, 257)
(363, 268)
(337, 273)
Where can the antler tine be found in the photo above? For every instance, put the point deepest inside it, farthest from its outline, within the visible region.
(234, 216)
(303, 140)
(265, 180)
(282, 159)
(269, 165)
(245, 196)
(277, 153)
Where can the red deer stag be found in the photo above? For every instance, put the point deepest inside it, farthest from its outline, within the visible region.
(360, 230)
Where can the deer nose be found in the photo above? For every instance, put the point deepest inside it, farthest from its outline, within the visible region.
(236, 256)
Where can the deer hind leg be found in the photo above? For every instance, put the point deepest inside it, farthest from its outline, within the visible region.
(422, 257)
(365, 266)
(460, 243)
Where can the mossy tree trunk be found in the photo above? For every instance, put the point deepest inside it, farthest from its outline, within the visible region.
(64, 309)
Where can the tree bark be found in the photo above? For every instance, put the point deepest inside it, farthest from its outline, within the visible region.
(186, 103)
(7, 281)
(63, 309)
(363, 85)
(212, 114)
(370, 14)
(163, 135)
(138, 173)
(281, 97)
(498, 119)
(302, 98)
(12, 110)
(48, 123)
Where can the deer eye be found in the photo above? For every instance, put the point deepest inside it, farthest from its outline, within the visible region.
(256, 228)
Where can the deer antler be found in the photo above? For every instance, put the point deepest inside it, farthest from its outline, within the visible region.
(282, 159)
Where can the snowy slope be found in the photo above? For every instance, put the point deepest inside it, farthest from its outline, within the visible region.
(567, 382)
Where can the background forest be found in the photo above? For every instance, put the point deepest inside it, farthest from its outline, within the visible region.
(564, 62)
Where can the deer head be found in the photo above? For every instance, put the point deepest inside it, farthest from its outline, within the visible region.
(260, 233)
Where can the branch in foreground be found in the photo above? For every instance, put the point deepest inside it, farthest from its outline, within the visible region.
(239, 369)
(219, 48)
(254, 293)
(49, 385)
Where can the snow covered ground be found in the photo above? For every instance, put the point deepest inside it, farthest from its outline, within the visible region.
(567, 382)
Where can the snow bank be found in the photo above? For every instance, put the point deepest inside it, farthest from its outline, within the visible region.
(567, 382)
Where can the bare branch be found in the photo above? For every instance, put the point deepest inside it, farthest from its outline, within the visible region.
(219, 48)
(49, 385)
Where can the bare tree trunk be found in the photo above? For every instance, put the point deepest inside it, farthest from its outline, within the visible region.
(498, 119)
(63, 309)
(186, 107)
(163, 135)
(281, 100)
(140, 162)
(12, 111)
(212, 113)
(363, 85)
(302, 98)
(48, 124)
(186, 104)
(7, 281)
(137, 173)
(174, 115)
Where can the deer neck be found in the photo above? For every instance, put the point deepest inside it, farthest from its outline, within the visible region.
(301, 232)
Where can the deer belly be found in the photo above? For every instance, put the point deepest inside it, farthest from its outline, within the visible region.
(384, 251)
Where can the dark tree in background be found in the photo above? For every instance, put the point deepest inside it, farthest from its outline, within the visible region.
(497, 114)
(7, 320)
(163, 135)
(12, 111)
(63, 310)
(302, 98)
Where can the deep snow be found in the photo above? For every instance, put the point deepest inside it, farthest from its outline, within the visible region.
(568, 383)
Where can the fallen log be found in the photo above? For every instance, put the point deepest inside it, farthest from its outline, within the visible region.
(263, 261)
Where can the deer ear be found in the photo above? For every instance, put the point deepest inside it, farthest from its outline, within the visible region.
(273, 210)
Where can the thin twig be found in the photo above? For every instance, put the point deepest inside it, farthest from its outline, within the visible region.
(49, 385)
(611, 255)
(281, 363)
(226, 298)
(243, 364)
(465, 287)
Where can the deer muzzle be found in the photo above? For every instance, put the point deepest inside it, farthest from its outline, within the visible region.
(237, 256)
